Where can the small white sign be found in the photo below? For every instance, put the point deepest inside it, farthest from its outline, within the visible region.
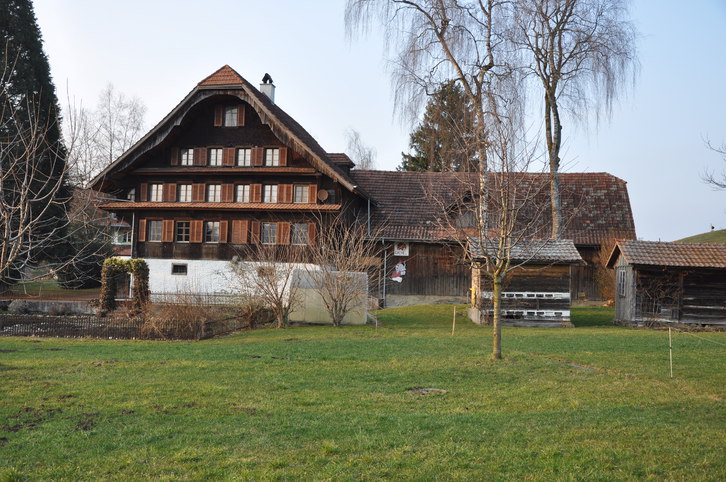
(400, 249)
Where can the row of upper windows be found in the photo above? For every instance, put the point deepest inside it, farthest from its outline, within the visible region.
(301, 193)
(240, 157)
(184, 231)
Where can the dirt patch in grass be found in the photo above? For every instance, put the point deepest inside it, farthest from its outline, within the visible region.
(425, 391)
(87, 421)
(8, 351)
(28, 418)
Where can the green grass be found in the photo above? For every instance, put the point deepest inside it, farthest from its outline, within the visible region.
(591, 402)
(710, 237)
(49, 289)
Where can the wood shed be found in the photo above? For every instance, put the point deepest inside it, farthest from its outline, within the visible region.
(537, 289)
(669, 282)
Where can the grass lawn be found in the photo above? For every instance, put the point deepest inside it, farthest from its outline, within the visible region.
(592, 402)
(709, 237)
(49, 289)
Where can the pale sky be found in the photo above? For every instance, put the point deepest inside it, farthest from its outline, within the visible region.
(158, 50)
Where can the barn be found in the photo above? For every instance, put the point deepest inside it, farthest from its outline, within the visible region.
(659, 282)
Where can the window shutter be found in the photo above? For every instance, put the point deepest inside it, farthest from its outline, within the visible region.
(313, 193)
(257, 156)
(223, 231)
(170, 192)
(227, 193)
(143, 192)
(241, 115)
(200, 156)
(283, 233)
(195, 235)
(228, 156)
(218, 113)
(256, 193)
(197, 193)
(167, 231)
(142, 230)
(174, 161)
(255, 235)
(285, 194)
(311, 233)
(283, 156)
(240, 228)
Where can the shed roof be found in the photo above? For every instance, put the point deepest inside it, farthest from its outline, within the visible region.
(410, 205)
(681, 255)
(532, 251)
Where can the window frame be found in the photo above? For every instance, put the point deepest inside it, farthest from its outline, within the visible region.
(215, 156)
(179, 265)
(274, 159)
(266, 230)
(186, 156)
(297, 229)
(217, 188)
(150, 231)
(156, 192)
(270, 197)
(184, 193)
(182, 229)
(213, 235)
(304, 189)
(247, 161)
(246, 190)
(229, 116)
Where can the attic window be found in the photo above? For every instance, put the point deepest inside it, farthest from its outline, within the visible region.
(186, 157)
(272, 157)
(230, 116)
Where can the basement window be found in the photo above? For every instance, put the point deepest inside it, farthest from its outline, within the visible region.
(179, 269)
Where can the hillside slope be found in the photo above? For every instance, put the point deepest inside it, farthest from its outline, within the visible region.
(710, 237)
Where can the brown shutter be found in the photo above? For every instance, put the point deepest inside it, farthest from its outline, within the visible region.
(200, 156)
(285, 193)
(313, 193)
(174, 161)
(257, 156)
(218, 113)
(241, 115)
(195, 235)
(170, 192)
(311, 233)
(142, 230)
(256, 193)
(283, 233)
(223, 231)
(167, 231)
(240, 228)
(283, 156)
(255, 235)
(228, 156)
(227, 193)
(197, 193)
(144, 192)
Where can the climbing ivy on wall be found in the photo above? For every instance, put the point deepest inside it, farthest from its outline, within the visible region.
(112, 267)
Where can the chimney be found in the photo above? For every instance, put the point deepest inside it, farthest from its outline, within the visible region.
(268, 88)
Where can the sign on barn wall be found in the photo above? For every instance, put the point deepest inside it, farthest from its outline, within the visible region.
(400, 249)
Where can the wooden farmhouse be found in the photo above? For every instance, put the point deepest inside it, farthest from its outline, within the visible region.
(228, 168)
(669, 282)
(536, 290)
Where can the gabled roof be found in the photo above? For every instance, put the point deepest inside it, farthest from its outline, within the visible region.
(680, 255)
(532, 251)
(228, 82)
(410, 205)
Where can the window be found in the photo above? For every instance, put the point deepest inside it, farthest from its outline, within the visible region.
(243, 193)
(621, 283)
(270, 194)
(211, 232)
(183, 229)
(157, 193)
(299, 233)
(301, 194)
(244, 157)
(331, 196)
(214, 193)
(272, 157)
(230, 116)
(215, 157)
(153, 231)
(184, 194)
(269, 233)
(179, 269)
(122, 236)
(187, 157)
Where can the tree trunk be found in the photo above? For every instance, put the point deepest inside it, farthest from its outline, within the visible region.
(497, 317)
(553, 133)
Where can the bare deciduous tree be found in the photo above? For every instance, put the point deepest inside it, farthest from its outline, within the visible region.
(266, 273)
(363, 155)
(718, 182)
(582, 52)
(341, 253)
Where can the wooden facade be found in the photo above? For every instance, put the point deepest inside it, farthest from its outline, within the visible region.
(669, 283)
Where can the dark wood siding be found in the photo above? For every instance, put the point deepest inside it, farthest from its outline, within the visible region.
(431, 269)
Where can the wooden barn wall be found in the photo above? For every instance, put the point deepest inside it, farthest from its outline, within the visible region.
(583, 285)
(704, 296)
(430, 270)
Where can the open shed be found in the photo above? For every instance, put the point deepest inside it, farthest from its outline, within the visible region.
(669, 282)
(536, 290)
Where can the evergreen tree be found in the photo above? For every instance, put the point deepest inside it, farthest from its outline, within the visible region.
(444, 140)
(33, 180)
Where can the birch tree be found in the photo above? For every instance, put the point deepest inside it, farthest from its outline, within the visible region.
(582, 53)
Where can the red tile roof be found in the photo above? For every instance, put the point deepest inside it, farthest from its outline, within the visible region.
(682, 255)
(224, 76)
(411, 205)
(126, 206)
